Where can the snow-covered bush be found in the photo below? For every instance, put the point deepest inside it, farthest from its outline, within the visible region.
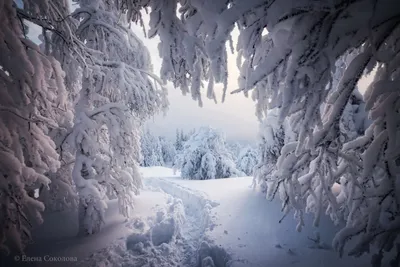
(206, 157)
(247, 160)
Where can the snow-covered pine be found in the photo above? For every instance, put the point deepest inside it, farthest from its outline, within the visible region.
(181, 138)
(152, 154)
(206, 157)
(247, 160)
(168, 151)
(287, 54)
(178, 141)
(235, 148)
(32, 102)
(179, 144)
(118, 92)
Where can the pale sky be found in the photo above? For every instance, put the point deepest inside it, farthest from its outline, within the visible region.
(235, 117)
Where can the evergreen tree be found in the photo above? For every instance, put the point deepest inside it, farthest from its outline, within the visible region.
(247, 160)
(178, 141)
(152, 153)
(206, 157)
(235, 148)
(168, 151)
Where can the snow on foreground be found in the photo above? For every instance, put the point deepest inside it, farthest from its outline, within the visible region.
(221, 222)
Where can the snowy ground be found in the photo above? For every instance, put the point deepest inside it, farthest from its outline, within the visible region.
(179, 222)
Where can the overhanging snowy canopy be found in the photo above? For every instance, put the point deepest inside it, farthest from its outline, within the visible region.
(291, 67)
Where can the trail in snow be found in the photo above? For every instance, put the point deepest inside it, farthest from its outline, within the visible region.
(197, 249)
(174, 236)
(248, 227)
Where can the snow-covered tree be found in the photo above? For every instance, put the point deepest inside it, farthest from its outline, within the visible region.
(117, 93)
(152, 153)
(184, 137)
(181, 138)
(178, 141)
(32, 102)
(235, 148)
(168, 151)
(272, 137)
(247, 160)
(206, 157)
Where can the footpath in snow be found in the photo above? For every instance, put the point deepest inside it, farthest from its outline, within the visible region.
(189, 223)
(175, 235)
(225, 222)
(247, 227)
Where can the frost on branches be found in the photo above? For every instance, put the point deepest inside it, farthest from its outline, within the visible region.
(118, 92)
(247, 160)
(287, 55)
(31, 103)
(272, 137)
(206, 157)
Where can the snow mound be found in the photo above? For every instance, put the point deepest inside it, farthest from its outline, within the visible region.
(163, 232)
(154, 242)
(198, 250)
(136, 238)
(196, 203)
(164, 228)
(212, 256)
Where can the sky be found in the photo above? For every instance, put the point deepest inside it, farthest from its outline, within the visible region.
(235, 117)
